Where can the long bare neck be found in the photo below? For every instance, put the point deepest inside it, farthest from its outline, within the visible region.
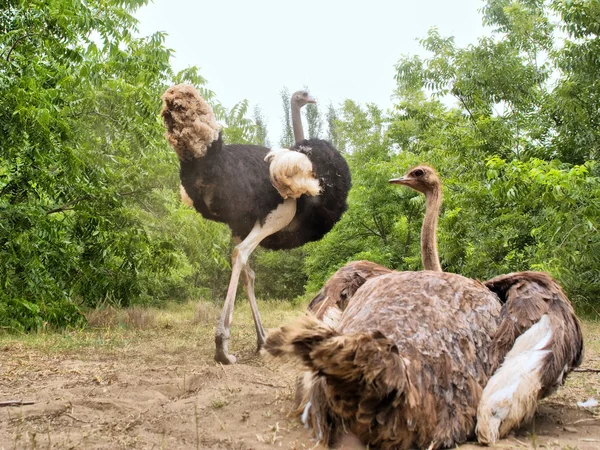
(297, 122)
(429, 251)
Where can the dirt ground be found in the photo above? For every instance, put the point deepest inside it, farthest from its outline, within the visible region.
(151, 383)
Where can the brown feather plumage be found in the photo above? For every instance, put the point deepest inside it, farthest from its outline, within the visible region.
(406, 363)
(526, 297)
(342, 285)
(530, 300)
(411, 381)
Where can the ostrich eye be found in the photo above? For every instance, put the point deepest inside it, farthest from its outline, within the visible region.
(418, 173)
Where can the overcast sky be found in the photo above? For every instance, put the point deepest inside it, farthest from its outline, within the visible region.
(339, 49)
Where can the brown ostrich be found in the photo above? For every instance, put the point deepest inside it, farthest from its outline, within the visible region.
(407, 362)
(278, 199)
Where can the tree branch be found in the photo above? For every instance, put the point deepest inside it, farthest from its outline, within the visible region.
(459, 97)
(373, 232)
(379, 223)
(69, 205)
(16, 42)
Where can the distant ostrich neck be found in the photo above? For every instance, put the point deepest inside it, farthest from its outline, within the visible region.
(297, 121)
(429, 251)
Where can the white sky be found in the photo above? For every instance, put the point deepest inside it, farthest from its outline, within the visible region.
(339, 49)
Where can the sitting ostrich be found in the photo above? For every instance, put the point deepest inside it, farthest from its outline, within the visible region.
(279, 199)
(527, 298)
(407, 362)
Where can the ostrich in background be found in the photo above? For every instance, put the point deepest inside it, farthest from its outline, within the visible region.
(297, 101)
(406, 362)
(279, 199)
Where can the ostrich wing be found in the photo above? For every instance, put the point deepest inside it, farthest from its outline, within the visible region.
(526, 297)
(537, 343)
(334, 296)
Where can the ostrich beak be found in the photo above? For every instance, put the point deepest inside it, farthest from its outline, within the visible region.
(401, 180)
(311, 100)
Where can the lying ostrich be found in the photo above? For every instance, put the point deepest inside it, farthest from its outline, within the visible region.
(410, 356)
(279, 199)
(528, 298)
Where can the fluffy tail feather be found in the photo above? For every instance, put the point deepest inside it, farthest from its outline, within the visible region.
(292, 173)
(190, 122)
(363, 373)
(510, 395)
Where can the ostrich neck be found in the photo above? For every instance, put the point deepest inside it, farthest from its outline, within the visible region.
(297, 123)
(429, 252)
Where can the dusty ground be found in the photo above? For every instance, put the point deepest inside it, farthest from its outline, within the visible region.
(149, 381)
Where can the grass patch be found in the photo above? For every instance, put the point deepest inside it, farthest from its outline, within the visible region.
(176, 327)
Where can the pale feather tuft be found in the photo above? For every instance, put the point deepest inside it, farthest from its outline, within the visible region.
(510, 396)
(292, 173)
(332, 316)
(190, 121)
(185, 198)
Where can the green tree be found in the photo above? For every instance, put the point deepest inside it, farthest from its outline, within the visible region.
(287, 136)
(314, 121)
(89, 208)
(261, 136)
(517, 152)
(333, 134)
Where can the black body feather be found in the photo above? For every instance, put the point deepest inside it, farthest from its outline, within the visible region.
(231, 184)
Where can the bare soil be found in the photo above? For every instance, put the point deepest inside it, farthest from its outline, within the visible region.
(159, 388)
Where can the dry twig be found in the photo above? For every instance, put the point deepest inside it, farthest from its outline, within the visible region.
(15, 403)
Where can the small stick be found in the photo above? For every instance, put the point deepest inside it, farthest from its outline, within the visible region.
(15, 403)
(267, 384)
(587, 370)
(75, 418)
(584, 420)
(220, 423)
(224, 371)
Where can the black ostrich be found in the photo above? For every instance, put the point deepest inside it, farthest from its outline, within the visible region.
(279, 199)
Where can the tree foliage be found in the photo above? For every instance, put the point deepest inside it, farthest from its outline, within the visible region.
(88, 186)
(511, 125)
(314, 121)
(89, 207)
(287, 136)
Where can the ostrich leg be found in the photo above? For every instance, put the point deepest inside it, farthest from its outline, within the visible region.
(276, 220)
(249, 285)
(261, 336)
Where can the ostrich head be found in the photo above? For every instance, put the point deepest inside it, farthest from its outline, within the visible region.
(421, 178)
(424, 179)
(301, 98)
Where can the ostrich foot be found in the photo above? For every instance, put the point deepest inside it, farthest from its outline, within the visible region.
(224, 358)
(222, 351)
(260, 340)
